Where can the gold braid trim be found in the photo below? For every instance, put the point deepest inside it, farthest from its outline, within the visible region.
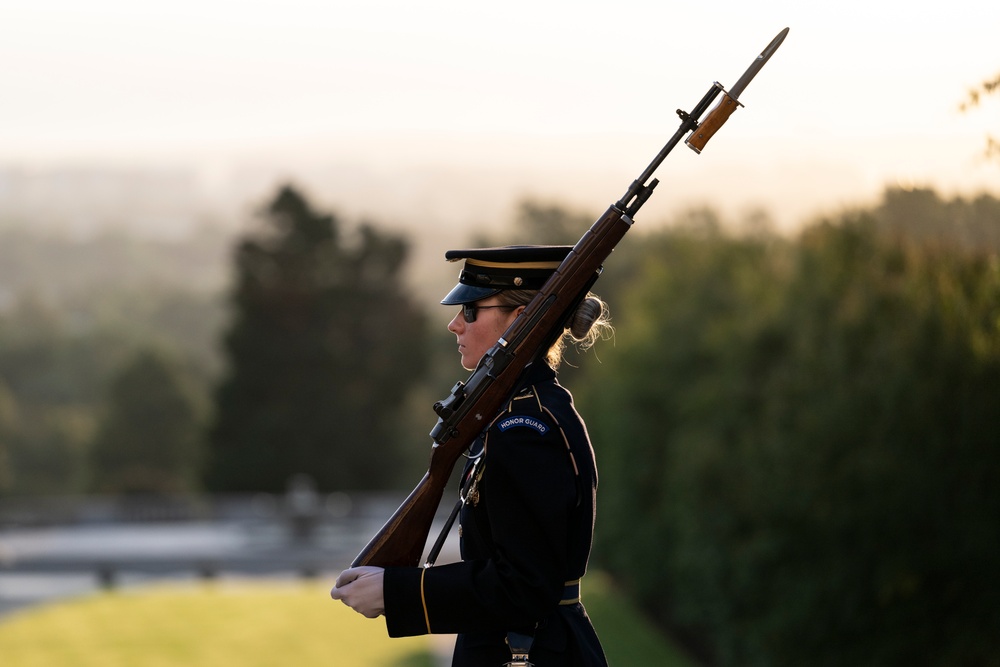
(423, 601)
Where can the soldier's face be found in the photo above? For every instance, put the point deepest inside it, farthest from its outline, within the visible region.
(490, 320)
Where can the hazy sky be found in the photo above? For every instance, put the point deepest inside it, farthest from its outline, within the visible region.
(577, 95)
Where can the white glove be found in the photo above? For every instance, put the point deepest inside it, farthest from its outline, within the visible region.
(360, 588)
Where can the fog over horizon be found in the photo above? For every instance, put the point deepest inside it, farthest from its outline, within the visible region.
(440, 117)
(444, 196)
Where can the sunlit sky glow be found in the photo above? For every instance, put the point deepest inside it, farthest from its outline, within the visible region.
(574, 94)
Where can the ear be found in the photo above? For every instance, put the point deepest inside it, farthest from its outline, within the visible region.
(513, 315)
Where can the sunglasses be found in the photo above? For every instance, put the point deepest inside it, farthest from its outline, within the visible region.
(469, 311)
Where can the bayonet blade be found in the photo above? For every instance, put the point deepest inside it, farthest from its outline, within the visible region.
(730, 100)
(756, 65)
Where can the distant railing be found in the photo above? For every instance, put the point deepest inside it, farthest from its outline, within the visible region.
(51, 543)
(47, 511)
(203, 535)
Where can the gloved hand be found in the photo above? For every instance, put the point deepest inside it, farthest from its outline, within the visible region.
(360, 588)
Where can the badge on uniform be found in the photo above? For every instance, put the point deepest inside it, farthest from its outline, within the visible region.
(472, 495)
(516, 421)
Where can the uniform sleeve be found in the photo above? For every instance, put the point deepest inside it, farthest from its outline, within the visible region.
(405, 608)
(529, 489)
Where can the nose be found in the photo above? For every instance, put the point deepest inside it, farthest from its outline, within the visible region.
(457, 323)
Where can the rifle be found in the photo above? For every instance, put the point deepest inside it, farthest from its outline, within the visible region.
(471, 405)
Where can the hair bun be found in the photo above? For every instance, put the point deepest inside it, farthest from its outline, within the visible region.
(588, 312)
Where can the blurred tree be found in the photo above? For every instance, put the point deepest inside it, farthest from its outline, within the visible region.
(322, 350)
(48, 449)
(798, 463)
(72, 312)
(167, 293)
(149, 440)
(974, 99)
(920, 214)
(55, 375)
(8, 426)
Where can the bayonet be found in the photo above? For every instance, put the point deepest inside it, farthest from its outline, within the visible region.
(730, 100)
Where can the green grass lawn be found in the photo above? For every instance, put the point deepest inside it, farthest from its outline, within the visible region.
(261, 623)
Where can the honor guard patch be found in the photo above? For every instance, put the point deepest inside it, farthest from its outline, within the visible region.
(516, 421)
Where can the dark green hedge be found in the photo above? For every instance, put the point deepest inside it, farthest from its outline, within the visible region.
(799, 446)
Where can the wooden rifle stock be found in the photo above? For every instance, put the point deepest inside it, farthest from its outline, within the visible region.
(474, 403)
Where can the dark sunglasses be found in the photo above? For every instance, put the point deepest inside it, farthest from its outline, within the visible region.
(469, 311)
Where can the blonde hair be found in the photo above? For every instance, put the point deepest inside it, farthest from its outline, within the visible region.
(590, 322)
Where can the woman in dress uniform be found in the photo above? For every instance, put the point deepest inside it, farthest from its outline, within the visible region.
(526, 525)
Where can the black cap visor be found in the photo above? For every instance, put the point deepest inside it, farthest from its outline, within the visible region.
(467, 294)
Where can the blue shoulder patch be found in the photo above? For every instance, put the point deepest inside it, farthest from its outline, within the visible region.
(515, 421)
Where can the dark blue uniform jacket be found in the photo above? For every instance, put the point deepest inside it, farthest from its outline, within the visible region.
(526, 533)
